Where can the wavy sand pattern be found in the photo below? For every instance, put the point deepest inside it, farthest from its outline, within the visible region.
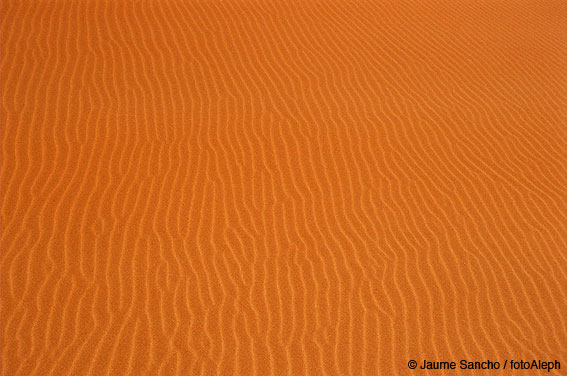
(282, 188)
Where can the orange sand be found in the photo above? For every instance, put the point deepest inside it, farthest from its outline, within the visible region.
(282, 188)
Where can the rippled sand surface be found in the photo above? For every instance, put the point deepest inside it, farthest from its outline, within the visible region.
(313, 187)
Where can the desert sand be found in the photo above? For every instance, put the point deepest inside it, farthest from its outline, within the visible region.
(242, 187)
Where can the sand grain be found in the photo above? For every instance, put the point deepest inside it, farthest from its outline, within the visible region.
(281, 188)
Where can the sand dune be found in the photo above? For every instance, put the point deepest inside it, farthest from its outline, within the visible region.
(230, 187)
